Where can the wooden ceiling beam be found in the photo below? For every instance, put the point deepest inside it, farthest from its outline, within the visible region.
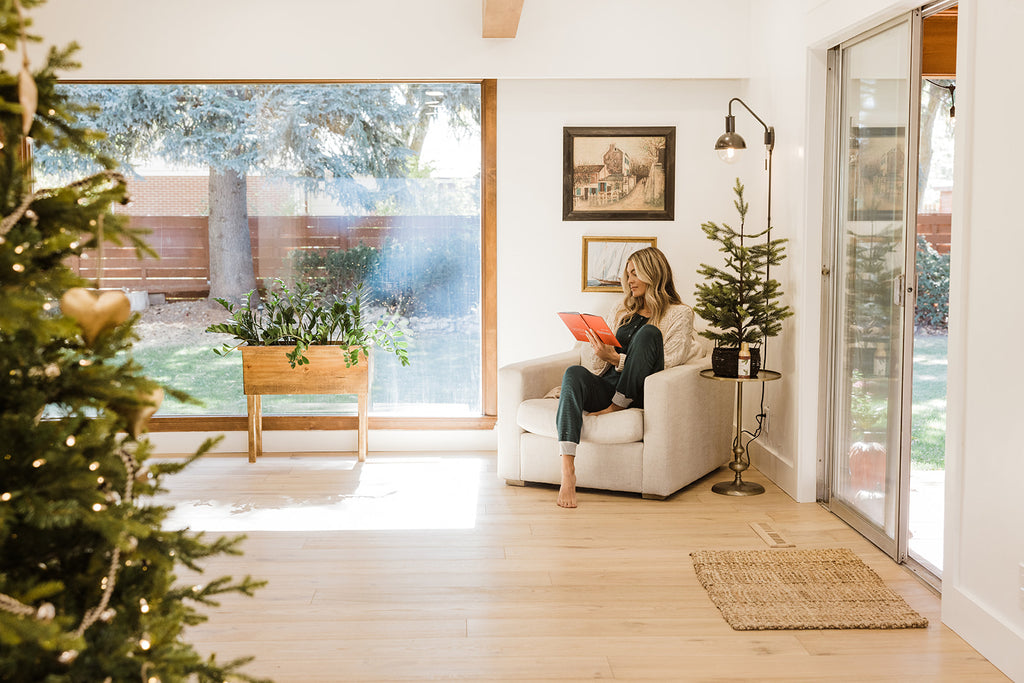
(938, 49)
(501, 18)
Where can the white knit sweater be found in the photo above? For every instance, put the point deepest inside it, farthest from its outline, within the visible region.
(676, 331)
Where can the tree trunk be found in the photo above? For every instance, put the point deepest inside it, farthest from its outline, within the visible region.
(927, 125)
(419, 133)
(231, 264)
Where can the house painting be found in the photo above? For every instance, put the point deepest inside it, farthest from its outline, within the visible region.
(597, 185)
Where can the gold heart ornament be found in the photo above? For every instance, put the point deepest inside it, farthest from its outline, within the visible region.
(95, 313)
(137, 416)
(28, 96)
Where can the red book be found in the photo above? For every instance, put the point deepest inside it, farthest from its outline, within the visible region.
(579, 323)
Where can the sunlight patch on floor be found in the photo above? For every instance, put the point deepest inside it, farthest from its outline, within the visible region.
(390, 493)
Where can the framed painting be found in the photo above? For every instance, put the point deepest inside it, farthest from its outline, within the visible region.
(604, 259)
(619, 174)
(877, 173)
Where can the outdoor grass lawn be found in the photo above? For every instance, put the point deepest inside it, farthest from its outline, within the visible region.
(443, 370)
(214, 380)
(928, 426)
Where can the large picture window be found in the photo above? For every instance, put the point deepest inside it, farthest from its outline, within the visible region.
(336, 185)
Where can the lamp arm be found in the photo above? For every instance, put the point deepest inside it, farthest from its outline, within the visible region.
(769, 131)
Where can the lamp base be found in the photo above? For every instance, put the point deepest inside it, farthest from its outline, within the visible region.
(738, 488)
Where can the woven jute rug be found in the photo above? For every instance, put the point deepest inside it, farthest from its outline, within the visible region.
(800, 589)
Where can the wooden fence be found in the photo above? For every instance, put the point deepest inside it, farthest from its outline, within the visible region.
(183, 267)
(935, 227)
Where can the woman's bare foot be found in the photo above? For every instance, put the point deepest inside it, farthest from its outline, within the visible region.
(610, 409)
(567, 492)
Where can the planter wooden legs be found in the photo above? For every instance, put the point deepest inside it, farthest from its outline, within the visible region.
(363, 428)
(254, 404)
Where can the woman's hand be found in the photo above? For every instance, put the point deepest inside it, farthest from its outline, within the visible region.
(603, 351)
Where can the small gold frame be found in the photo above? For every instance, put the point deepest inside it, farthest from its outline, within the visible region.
(604, 259)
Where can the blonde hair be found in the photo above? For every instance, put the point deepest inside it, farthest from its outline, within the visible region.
(653, 269)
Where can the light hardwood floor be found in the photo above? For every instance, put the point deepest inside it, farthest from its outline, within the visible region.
(420, 566)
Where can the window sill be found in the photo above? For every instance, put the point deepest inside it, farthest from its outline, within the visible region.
(239, 423)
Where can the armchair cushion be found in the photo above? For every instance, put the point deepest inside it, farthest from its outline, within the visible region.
(537, 416)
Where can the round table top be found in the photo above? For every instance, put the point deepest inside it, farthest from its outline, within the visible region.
(762, 376)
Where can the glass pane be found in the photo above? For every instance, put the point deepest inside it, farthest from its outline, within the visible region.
(335, 185)
(928, 423)
(875, 101)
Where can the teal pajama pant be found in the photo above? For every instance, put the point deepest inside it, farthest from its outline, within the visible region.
(582, 390)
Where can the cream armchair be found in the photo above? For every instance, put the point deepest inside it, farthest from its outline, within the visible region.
(683, 432)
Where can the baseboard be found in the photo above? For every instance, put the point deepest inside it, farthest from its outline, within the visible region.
(330, 441)
(771, 464)
(996, 641)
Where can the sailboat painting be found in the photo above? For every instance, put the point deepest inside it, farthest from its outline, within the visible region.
(604, 260)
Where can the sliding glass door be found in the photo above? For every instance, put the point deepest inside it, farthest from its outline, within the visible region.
(873, 192)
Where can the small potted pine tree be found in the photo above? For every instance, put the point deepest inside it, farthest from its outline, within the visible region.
(739, 299)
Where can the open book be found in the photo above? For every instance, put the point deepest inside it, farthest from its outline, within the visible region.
(579, 323)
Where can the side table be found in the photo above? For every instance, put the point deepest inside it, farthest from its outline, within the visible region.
(738, 487)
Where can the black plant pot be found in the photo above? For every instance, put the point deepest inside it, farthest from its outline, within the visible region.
(725, 361)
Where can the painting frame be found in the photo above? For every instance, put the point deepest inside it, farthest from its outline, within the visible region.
(604, 259)
(877, 173)
(611, 186)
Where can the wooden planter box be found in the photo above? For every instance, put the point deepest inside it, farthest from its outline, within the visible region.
(265, 370)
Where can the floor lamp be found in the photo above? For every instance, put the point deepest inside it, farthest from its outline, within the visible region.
(728, 147)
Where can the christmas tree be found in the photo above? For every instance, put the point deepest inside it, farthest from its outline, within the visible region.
(88, 589)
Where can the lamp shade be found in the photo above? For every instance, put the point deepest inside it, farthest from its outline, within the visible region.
(728, 146)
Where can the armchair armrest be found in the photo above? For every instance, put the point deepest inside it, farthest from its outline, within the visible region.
(518, 382)
(687, 426)
(535, 377)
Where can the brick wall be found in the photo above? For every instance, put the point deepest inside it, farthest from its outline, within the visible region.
(187, 195)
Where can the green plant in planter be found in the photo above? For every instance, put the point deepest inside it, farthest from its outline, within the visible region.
(303, 317)
(738, 299)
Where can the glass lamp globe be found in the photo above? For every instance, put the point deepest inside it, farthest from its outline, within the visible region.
(729, 146)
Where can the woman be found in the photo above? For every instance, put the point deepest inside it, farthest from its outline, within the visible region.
(655, 329)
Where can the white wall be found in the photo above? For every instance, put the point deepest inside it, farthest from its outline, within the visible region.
(983, 598)
(397, 39)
